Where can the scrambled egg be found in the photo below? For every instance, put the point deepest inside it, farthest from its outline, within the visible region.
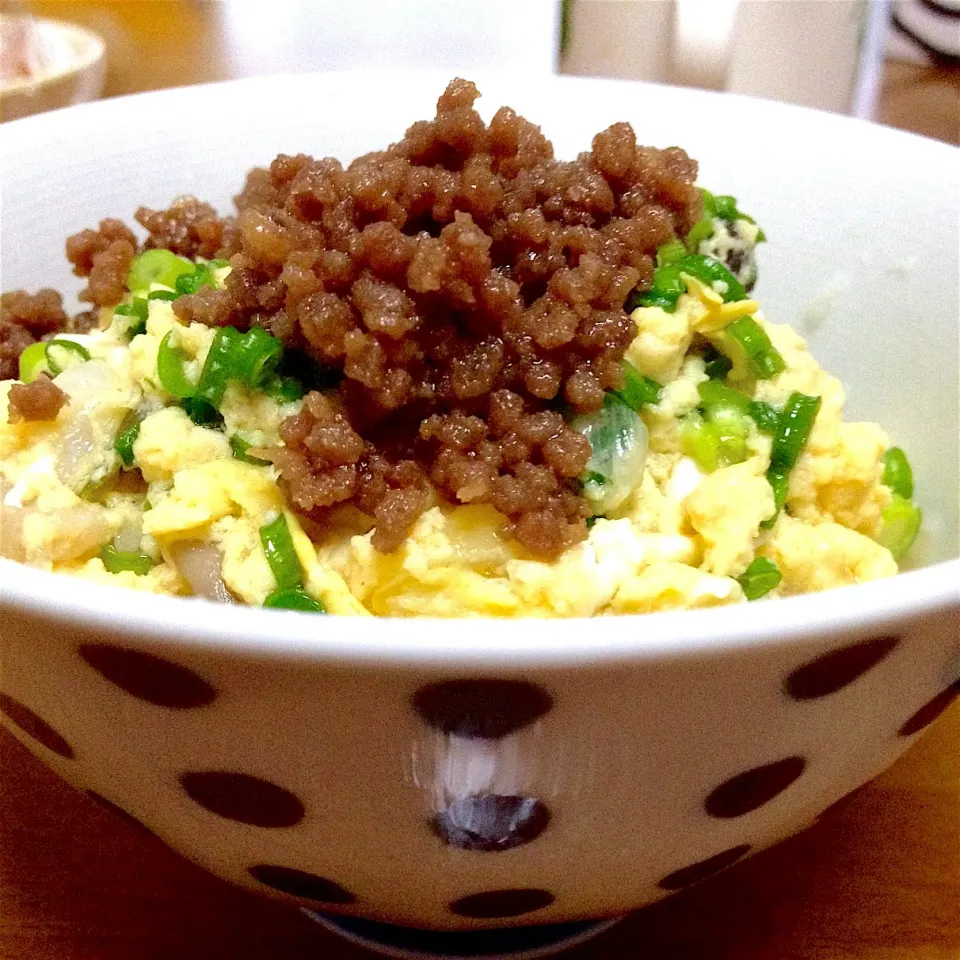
(681, 539)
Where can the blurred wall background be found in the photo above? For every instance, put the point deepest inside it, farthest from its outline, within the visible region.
(161, 43)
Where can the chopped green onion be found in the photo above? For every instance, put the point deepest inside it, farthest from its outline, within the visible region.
(294, 599)
(725, 207)
(764, 416)
(156, 266)
(901, 524)
(763, 357)
(671, 252)
(218, 264)
(759, 578)
(192, 282)
(171, 370)
(131, 318)
(668, 282)
(700, 231)
(239, 446)
(721, 207)
(33, 362)
(202, 413)
(637, 389)
(281, 555)
(219, 366)
(715, 394)
(793, 430)
(897, 474)
(257, 356)
(699, 440)
(732, 429)
(283, 389)
(136, 308)
(125, 441)
(62, 354)
(161, 295)
(716, 439)
(715, 364)
(591, 521)
(710, 271)
(780, 484)
(117, 561)
(666, 289)
(651, 299)
(703, 228)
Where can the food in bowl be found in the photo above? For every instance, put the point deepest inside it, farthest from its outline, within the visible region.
(457, 377)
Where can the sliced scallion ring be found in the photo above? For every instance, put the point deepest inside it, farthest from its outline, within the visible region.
(62, 354)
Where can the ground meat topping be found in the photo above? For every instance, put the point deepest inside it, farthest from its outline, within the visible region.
(465, 285)
(24, 319)
(38, 400)
(104, 256)
(189, 228)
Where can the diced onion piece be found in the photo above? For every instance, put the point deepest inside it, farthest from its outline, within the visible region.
(128, 537)
(201, 565)
(618, 439)
(86, 383)
(11, 532)
(85, 530)
(78, 453)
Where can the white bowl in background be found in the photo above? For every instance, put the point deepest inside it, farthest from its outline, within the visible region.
(75, 72)
(311, 758)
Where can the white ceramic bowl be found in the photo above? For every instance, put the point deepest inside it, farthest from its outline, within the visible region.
(311, 758)
(75, 74)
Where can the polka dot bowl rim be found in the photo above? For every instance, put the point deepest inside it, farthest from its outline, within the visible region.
(861, 610)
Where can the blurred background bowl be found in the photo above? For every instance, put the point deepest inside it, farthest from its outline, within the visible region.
(72, 71)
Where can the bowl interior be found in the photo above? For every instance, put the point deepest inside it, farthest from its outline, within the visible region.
(863, 221)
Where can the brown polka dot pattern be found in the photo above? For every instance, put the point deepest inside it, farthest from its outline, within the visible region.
(492, 904)
(835, 670)
(299, 883)
(686, 876)
(491, 823)
(148, 677)
(119, 812)
(485, 708)
(931, 710)
(752, 789)
(240, 797)
(34, 726)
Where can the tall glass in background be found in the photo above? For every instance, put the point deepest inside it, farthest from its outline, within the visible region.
(819, 53)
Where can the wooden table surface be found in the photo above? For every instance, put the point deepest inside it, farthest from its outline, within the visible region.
(876, 879)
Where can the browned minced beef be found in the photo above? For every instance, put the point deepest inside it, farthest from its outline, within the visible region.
(103, 255)
(24, 319)
(466, 285)
(189, 228)
(39, 400)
